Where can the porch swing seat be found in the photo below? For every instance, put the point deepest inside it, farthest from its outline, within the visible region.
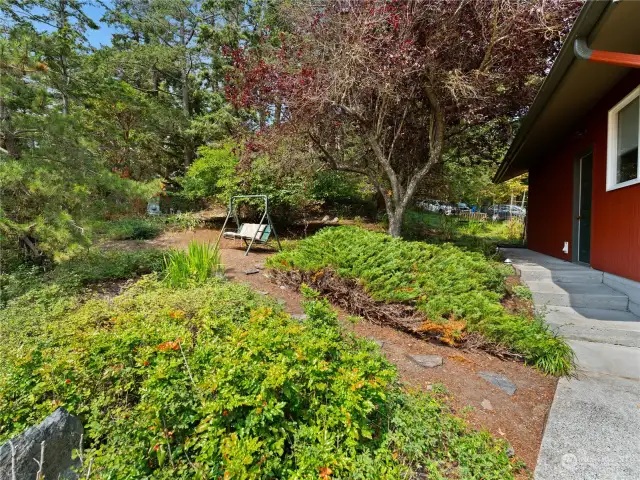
(249, 231)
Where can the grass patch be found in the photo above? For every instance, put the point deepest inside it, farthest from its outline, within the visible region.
(446, 283)
(481, 236)
(215, 381)
(194, 266)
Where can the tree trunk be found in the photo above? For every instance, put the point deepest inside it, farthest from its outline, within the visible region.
(395, 222)
(395, 210)
(61, 24)
(7, 135)
(277, 113)
(186, 110)
(156, 82)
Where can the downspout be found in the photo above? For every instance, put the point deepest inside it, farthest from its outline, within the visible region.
(583, 51)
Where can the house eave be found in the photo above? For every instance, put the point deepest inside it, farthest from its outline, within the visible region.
(573, 85)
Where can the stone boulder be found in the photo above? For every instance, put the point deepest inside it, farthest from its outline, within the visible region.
(427, 361)
(61, 433)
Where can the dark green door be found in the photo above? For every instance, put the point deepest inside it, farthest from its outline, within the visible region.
(584, 209)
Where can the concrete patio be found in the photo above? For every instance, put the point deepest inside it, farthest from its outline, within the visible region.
(593, 428)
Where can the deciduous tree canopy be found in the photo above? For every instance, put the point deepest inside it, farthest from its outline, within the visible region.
(384, 88)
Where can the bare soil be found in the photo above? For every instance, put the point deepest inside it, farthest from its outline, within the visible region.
(520, 418)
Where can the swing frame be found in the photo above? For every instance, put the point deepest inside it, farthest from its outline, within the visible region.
(259, 231)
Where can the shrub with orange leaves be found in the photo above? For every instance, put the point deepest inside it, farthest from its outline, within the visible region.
(325, 473)
(165, 346)
(256, 394)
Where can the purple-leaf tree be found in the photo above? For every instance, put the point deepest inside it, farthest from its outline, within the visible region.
(383, 88)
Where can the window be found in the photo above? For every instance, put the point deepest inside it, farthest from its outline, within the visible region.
(623, 167)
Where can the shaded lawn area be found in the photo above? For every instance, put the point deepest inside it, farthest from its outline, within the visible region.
(476, 235)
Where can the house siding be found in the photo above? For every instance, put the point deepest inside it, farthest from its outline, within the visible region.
(615, 217)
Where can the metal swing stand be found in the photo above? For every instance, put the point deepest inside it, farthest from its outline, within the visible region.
(250, 233)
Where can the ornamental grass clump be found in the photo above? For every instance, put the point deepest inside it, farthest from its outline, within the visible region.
(194, 266)
(443, 282)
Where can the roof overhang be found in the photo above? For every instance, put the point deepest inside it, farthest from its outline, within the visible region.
(574, 86)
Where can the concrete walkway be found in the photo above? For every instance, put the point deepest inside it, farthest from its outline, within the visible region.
(593, 428)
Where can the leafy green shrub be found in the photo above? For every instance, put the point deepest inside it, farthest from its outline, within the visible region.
(218, 175)
(523, 292)
(515, 229)
(443, 281)
(216, 382)
(340, 187)
(184, 221)
(128, 229)
(474, 227)
(69, 276)
(212, 174)
(449, 225)
(30, 296)
(94, 265)
(193, 266)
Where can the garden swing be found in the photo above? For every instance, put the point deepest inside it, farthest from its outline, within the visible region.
(250, 233)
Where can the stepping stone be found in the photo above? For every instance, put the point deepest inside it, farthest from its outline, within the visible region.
(486, 404)
(499, 381)
(427, 361)
(253, 271)
(301, 317)
(259, 267)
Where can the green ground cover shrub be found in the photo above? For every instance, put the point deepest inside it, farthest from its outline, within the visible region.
(215, 381)
(194, 266)
(96, 264)
(69, 276)
(132, 228)
(143, 228)
(183, 221)
(443, 281)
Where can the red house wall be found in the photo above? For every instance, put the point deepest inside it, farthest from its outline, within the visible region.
(615, 220)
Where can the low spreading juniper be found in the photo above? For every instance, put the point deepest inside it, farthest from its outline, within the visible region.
(442, 281)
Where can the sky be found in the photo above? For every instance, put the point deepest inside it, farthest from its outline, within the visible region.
(96, 38)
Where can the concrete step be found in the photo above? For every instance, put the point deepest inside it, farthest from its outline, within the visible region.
(577, 295)
(592, 430)
(615, 327)
(614, 360)
(530, 273)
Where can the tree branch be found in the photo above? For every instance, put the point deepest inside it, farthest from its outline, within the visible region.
(332, 161)
(396, 187)
(436, 142)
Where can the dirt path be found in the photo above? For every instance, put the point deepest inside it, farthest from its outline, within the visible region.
(519, 418)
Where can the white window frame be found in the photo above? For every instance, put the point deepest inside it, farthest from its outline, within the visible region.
(612, 144)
